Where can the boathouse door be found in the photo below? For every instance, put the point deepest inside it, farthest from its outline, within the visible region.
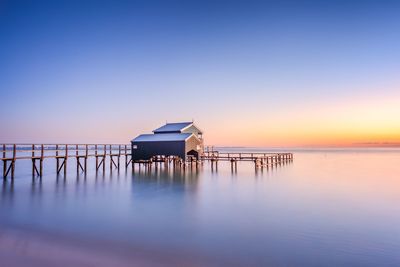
(193, 153)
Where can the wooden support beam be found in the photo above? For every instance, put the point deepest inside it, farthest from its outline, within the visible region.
(86, 156)
(119, 154)
(65, 160)
(33, 161)
(41, 160)
(126, 158)
(104, 159)
(111, 161)
(77, 159)
(4, 161)
(57, 160)
(13, 161)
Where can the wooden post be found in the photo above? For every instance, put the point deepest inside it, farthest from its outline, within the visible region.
(111, 158)
(77, 158)
(13, 161)
(126, 158)
(41, 160)
(119, 154)
(65, 160)
(86, 156)
(33, 160)
(104, 159)
(4, 161)
(97, 158)
(57, 160)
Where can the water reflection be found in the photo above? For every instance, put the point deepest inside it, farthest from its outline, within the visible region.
(272, 216)
(7, 191)
(36, 188)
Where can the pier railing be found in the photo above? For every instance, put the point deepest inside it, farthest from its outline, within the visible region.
(10, 153)
(260, 159)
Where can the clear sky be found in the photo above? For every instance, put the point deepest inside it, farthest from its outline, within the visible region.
(262, 73)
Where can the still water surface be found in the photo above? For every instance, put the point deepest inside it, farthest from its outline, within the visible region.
(326, 208)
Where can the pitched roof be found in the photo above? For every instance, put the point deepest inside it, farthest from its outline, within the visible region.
(162, 137)
(173, 127)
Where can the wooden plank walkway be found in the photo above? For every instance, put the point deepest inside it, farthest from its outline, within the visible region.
(10, 153)
(260, 159)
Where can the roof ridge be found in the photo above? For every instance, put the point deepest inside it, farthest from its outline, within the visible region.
(189, 122)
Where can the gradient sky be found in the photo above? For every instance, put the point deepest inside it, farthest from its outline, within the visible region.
(263, 73)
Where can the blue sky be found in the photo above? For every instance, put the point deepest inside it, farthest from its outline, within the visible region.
(104, 71)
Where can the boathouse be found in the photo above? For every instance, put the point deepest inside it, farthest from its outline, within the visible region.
(183, 139)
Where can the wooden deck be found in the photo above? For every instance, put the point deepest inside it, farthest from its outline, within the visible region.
(260, 159)
(10, 153)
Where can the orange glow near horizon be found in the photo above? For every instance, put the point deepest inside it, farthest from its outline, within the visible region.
(374, 121)
(364, 123)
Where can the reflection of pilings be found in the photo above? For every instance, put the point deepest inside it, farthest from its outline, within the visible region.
(168, 162)
(214, 162)
(234, 165)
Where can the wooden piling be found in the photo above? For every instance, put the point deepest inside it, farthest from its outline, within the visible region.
(13, 161)
(41, 160)
(57, 160)
(119, 155)
(65, 160)
(260, 160)
(4, 162)
(104, 159)
(33, 160)
(86, 156)
(96, 157)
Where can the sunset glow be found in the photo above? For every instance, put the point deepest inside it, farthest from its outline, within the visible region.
(251, 75)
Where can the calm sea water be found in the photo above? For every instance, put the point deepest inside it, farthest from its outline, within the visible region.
(326, 208)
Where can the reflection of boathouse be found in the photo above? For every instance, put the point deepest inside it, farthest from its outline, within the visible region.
(173, 139)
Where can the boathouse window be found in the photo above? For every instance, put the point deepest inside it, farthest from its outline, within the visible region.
(134, 146)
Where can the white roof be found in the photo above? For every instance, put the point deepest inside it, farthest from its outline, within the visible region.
(162, 137)
(173, 127)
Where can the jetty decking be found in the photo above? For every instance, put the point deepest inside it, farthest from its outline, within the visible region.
(260, 159)
(61, 153)
(10, 153)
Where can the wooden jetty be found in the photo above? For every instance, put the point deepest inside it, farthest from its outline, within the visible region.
(10, 153)
(260, 159)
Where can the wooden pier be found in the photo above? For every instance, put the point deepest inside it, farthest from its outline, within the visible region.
(10, 153)
(260, 159)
